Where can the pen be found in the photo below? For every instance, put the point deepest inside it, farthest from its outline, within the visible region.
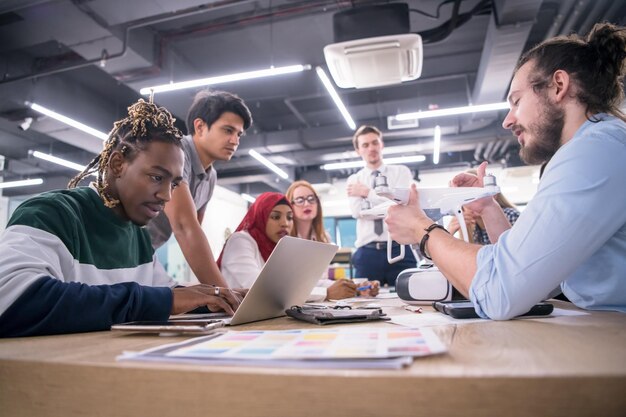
(363, 288)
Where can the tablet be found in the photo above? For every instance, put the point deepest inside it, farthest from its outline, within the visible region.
(464, 309)
(171, 327)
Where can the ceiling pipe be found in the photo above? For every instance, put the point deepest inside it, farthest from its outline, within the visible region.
(225, 24)
(105, 56)
(562, 15)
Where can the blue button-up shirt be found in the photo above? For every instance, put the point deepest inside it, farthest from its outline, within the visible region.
(572, 234)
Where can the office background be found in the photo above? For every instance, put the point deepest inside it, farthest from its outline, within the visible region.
(88, 60)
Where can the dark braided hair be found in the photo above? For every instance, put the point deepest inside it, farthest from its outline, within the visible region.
(597, 64)
(146, 122)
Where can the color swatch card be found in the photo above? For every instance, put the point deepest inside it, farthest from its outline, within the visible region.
(313, 344)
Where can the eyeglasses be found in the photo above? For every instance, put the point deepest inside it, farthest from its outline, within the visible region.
(311, 199)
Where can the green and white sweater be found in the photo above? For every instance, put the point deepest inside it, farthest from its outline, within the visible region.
(69, 264)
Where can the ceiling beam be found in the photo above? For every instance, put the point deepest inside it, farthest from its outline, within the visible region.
(506, 36)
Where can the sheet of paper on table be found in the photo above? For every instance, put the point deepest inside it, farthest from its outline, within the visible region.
(326, 348)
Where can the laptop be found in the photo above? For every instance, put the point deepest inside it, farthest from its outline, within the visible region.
(288, 277)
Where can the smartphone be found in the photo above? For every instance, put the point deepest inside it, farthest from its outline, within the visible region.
(171, 327)
(463, 309)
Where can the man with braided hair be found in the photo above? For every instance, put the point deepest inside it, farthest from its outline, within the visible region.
(216, 121)
(565, 101)
(80, 260)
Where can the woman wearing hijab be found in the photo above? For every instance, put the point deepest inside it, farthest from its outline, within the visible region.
(247, 249)
(268, 220)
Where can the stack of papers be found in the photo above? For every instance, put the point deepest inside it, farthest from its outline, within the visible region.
(328, 348)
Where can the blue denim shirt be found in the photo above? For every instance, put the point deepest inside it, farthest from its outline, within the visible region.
(572, 234)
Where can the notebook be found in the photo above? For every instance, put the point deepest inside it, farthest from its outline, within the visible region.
(287, 279)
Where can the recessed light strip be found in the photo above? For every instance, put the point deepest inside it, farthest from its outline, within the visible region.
(58, 161)
(269, 72)
(436, 144)
(361, 164)
(21, 183)
(70, 122)
(453, 111)
(268, 164)
(333, 94)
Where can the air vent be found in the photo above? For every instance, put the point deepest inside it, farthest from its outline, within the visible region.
(375, 62)
(393, 123)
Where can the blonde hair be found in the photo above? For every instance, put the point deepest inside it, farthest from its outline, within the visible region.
(364, 130)
(318, 221)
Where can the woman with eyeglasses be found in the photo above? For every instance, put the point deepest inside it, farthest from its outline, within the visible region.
(309, 224)
(308, 220)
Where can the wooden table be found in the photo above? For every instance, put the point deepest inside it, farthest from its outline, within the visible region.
(562, 366)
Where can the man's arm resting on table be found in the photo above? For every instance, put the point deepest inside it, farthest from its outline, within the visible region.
(50, 306)
(185, 222)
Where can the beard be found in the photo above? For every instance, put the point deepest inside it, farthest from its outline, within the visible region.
(546, 134)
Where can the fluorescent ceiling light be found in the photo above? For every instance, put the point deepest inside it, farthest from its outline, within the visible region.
(436, 144)
(21, 183)
(361, 164)
(387, 150)
(248, 197)
(68, 121)
(453, 111)
(333, 94)
(405, 159)
(60, 161)
(267, 163)
(270, 72)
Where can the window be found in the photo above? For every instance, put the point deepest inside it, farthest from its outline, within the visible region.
(342, 230)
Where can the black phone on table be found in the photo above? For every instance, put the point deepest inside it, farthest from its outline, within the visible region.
(464, 309)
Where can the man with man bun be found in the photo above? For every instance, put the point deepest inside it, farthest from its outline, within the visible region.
(565, 101)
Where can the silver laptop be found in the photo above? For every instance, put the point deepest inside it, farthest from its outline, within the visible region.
(287, 279)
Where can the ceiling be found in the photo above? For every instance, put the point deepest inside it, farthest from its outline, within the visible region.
(88, 59)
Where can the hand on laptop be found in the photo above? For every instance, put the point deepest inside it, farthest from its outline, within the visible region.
(188, 298)
(241, 292)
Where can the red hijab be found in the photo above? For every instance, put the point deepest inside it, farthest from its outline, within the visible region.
(255, 222)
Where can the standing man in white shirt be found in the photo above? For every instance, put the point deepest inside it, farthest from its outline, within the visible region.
(370, 258)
